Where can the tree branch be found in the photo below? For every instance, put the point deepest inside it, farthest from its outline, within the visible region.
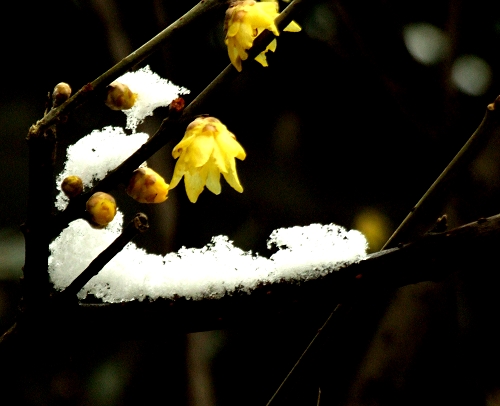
(176, 28)
(425, 211)
(432, 258)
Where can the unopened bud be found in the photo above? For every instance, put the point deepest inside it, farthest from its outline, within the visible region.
(61, 93)
(176, 107)
(101, 208)
(120, 97)
(146, 186)
(72, 186)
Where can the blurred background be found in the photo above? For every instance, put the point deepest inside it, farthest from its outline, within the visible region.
(350, 124)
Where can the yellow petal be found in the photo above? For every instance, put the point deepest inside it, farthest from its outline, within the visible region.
(213, 178)
(233, 29)
(293, 27)
(267, 8)
(245, 36)
(261, 58)
(219, 159)
(183, 144)
(180, 169)
(241, 52)
(199, 151)
(229, 146)
(233, 54)
(195, 183)
(272, 46)
(232, 178)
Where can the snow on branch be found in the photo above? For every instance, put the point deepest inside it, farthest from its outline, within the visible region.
(469, 249)
(213, 271)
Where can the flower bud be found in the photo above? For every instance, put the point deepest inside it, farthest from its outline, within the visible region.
(120, 97)
(61, 93)
(101, 208)
(72, 186)
(146, 186)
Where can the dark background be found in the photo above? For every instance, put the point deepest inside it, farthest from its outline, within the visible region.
(347, 126)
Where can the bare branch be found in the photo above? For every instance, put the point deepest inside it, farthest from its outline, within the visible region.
(128, 62)
(425, 210)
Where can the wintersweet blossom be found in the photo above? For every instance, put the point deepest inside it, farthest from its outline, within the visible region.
(207, 150)
(245, 20)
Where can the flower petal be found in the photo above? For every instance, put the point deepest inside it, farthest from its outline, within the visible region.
(219, 158)
(179, 170)
(233, 29)
(182, 145)
(195, 183)
(293, 27)
(233, 54)
(261, 58)
(232, 177)
(213, 178)
(245, 36)
(197, 154)
(229, 146)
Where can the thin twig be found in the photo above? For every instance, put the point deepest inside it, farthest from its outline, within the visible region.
(303, 355)
(464, 157)
(129, 61)
(138, 225)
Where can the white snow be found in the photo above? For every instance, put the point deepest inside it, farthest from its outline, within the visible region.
(94, 155)
(152, 92)
(213, 271)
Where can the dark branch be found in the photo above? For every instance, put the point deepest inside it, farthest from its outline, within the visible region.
(175, 29)
(427, 208)
(432, 258)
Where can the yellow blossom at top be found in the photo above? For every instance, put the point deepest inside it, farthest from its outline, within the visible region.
(207, 150)
(245, 20)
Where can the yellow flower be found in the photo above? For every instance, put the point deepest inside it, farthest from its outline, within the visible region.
(245, 20)
(207, 150)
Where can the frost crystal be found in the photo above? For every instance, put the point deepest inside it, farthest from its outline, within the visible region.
(213, 271)
(93, 156)
(152, 92)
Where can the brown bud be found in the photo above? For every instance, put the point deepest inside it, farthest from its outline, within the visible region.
(101, 208)
(120, 97)
(72, 186)
(146, 186)
(176, 107)
(61, 93)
